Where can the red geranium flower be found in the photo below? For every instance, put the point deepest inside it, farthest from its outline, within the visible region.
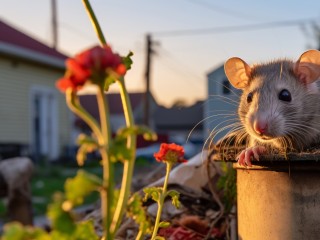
(64, 83)
(93, 64)
(170, 153)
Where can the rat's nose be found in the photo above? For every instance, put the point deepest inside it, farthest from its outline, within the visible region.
(260, 127)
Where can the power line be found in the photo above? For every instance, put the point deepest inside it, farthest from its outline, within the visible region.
(182, 74)
(91, 38)
(76, 31)
(183, 68)
(227, 29)
(175, 66)
(223, 10)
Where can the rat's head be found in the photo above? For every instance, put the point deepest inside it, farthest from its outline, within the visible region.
(278, 96)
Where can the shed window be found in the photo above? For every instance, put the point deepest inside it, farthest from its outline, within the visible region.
(226, 87)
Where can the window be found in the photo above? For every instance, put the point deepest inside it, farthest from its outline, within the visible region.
(226, 86)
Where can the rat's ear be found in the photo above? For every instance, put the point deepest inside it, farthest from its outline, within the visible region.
(307, 68)
(238, 72)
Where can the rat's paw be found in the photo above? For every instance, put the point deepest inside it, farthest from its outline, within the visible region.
(244, 158)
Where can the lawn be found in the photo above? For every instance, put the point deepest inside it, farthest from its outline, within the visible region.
(50, 178)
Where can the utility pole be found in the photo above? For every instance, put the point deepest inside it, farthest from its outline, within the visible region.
(147, 79)
(54, 24)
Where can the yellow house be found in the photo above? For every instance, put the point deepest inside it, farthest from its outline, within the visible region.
(34, 119)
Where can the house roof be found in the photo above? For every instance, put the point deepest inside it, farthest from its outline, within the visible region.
(15, 43)
(89, 102)
(179, 117)
(216, 70)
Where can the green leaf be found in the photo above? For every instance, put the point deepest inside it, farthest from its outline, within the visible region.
(13, 231)
(164, 224)
(80, 186)
(146, 132)
(59, 235)
(127, 60)
(81, 155)
(85, 231)
(16, 231)
(37, 234)
(152, 192)
(175, 198)
(85, 139)
(227, 183)
(137, 212)
(61, 219)
(110, 79)
(87, 145)
(118, 150)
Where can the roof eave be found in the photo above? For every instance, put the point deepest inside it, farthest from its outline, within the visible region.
(8, 49)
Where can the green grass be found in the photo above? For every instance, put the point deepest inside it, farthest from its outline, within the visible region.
(50, 178)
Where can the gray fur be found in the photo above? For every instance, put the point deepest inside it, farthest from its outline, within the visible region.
(292, 125)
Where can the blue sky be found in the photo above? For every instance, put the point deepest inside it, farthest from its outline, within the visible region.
(181, 63)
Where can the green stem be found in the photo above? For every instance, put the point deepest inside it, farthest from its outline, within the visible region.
(94, 21)
(129, 164)
(73, 103)
(161, 201)
(108, 167)
(139, 235)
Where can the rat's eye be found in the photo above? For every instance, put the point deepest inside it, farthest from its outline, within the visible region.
(249, 97)
(285, 95)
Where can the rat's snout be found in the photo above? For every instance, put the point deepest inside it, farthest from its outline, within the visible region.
(260, 126)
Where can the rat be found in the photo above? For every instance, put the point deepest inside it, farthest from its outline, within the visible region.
(280, 103)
